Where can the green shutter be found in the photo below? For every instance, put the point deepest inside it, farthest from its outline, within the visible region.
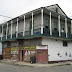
(57, 10)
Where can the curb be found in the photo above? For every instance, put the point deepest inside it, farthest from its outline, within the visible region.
(35, 65)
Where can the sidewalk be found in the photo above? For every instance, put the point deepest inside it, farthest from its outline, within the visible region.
(35, 64)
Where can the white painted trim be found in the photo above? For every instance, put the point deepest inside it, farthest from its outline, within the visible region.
(41, 21)
(59, 25)
(24, 27)
(50, 25)
(66, 26)
(11, 28)
(32, 25)
(71, 26)
(42, 47)
(2, 32)
(17, 28)
(7, 31)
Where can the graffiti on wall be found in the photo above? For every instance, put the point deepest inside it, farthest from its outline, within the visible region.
(29, 51)
(7, 53)
(14, 52)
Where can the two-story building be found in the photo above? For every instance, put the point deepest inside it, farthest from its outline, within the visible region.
(45, 32)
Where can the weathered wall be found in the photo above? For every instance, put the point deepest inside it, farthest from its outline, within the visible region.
(14, 44)
(34, 42)
(55, 47)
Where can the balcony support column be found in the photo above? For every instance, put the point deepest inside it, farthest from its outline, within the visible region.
(66, 27)
(24, 27)
(11, 28)
(32, 25)
(59, 26)
(41, 21)
(71, 26)
(50, 25)
(7, 31)
(17, 28)
(2, 33)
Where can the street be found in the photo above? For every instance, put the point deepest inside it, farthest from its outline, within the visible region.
(16, 68)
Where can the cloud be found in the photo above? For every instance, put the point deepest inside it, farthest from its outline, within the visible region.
(15, 8)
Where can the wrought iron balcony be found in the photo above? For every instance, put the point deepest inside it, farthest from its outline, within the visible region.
(37, 32)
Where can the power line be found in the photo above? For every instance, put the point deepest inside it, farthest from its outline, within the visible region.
(5, 16)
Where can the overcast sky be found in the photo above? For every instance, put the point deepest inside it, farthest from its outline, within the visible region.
(14, 8)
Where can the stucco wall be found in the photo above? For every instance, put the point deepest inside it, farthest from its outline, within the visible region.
(55, 47)
(14, 44)
(34, 42)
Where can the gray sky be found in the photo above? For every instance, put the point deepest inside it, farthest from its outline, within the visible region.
(14, 8)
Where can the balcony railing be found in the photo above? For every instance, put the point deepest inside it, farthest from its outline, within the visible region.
(14, 35)
(4, 38)
(55, 33)
(46, 32)
(63, 34)
(9, 36)
(26, 33)
(37, 31)
(20, 34)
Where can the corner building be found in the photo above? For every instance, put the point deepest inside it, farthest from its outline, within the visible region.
(45, 33)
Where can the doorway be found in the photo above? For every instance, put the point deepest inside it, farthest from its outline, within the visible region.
(42, 54)
(22, 55)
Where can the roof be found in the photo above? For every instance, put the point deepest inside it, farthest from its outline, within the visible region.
(58, 6)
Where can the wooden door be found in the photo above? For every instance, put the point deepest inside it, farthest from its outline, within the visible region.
(42, 56)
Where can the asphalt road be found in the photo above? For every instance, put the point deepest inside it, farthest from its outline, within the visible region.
(13, 68)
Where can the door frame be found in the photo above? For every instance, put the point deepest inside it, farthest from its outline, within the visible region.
(20, 54)
(41, 50)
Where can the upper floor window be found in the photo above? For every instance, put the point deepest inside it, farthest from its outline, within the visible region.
(65, 43)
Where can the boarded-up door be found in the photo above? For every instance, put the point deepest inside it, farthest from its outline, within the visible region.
(42, 56)
(8, 53)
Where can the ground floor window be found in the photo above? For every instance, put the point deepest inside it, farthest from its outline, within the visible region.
(65, 43)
